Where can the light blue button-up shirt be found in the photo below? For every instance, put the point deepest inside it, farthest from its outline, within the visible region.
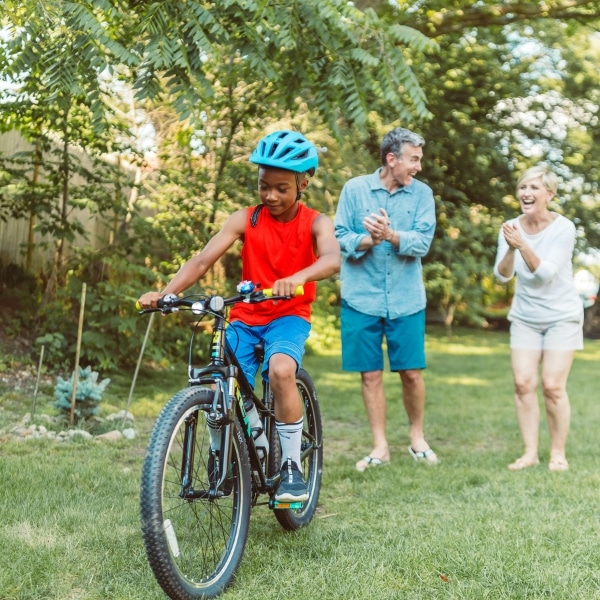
(384, 281)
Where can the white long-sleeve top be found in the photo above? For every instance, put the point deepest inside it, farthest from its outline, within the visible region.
(548, 294)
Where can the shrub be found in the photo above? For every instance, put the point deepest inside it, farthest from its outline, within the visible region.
(87, 398)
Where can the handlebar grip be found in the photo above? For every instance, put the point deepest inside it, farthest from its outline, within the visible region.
(299, 291)
(162, 303)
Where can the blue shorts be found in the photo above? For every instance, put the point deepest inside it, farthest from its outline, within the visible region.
(286, 335)
(362, 341)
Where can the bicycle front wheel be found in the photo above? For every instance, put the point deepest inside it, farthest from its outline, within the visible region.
(312, 453)
(194, 541)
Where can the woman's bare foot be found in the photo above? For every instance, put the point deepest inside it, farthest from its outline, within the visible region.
(558, 463)
(524, 462)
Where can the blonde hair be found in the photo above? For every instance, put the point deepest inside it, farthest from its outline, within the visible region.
(543, 172)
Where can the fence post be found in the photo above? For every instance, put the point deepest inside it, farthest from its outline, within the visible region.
(137, 367)
(37, 382)
(76, 371)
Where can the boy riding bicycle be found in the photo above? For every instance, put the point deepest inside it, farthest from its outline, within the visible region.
(285, 245)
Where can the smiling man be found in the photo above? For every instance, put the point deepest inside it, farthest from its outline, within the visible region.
(286, 245)
(385, 223)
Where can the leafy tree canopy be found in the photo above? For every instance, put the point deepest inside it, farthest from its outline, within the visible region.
(494, 87)
(328, 50)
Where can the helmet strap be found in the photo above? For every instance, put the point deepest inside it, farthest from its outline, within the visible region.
(298, 192)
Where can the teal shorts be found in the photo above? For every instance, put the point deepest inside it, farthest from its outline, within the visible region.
(362, 341)
(286, 335)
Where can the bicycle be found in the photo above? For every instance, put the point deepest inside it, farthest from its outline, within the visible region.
(195, 502)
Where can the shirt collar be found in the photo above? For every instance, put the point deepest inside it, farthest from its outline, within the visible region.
(375, 183)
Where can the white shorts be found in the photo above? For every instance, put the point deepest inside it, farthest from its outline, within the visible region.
(563, 335)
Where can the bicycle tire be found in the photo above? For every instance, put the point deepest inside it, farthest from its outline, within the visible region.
(210, 534)
(312, 465)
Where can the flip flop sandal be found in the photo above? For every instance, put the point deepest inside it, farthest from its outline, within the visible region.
(428, 456)
(370, 461)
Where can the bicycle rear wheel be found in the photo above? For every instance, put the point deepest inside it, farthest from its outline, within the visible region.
(312, 464)
(194, 544)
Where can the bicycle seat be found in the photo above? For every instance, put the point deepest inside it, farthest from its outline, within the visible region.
(259, 350)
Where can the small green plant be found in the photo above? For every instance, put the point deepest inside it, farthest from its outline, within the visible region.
(88, 395)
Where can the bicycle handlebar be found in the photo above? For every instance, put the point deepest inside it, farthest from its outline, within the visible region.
(268, 292)
(198, 304)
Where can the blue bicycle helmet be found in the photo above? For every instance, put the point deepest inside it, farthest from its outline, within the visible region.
(287, 150)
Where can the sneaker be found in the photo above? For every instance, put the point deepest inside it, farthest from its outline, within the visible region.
(291, 485)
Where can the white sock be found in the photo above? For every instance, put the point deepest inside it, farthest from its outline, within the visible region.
(290, 435)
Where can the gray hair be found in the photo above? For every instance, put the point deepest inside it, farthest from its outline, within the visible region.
(543, 172)
(395, 140)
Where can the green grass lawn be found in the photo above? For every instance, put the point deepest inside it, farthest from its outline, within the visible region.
(468, 528)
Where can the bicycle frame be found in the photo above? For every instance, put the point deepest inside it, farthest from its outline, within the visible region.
(203, 471)
(225, 374)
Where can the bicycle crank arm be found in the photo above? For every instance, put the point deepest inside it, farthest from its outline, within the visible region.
(201, 494)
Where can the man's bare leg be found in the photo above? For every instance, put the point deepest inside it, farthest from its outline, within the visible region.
(413, 396)
(375, 405)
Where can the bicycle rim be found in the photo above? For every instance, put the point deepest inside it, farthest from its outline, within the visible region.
(194, 546)
(312, 464)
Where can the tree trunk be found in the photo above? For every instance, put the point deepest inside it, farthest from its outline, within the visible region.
(30, 233)
(449, 318)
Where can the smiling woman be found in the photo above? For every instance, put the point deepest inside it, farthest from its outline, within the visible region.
(546, 314)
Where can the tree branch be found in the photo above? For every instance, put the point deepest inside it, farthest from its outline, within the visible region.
(504, 14)
(443, 21)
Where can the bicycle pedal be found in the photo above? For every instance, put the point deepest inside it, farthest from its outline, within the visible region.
(275, 505)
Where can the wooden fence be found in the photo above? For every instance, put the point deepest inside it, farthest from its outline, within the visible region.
(14, 233)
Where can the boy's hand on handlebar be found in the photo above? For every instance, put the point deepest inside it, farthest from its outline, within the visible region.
(149, 300)
(287, 287)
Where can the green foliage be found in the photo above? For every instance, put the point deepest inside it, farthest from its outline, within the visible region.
(88, 395)
(464, 161)
(490, 123)
(54, 341)
(191, 51)
(504, 86)
(563, 122)
(59, 101)
(325, 318)
(113, 331)
(438, 18)
(460, 261)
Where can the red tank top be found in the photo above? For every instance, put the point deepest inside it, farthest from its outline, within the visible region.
(273, 250)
